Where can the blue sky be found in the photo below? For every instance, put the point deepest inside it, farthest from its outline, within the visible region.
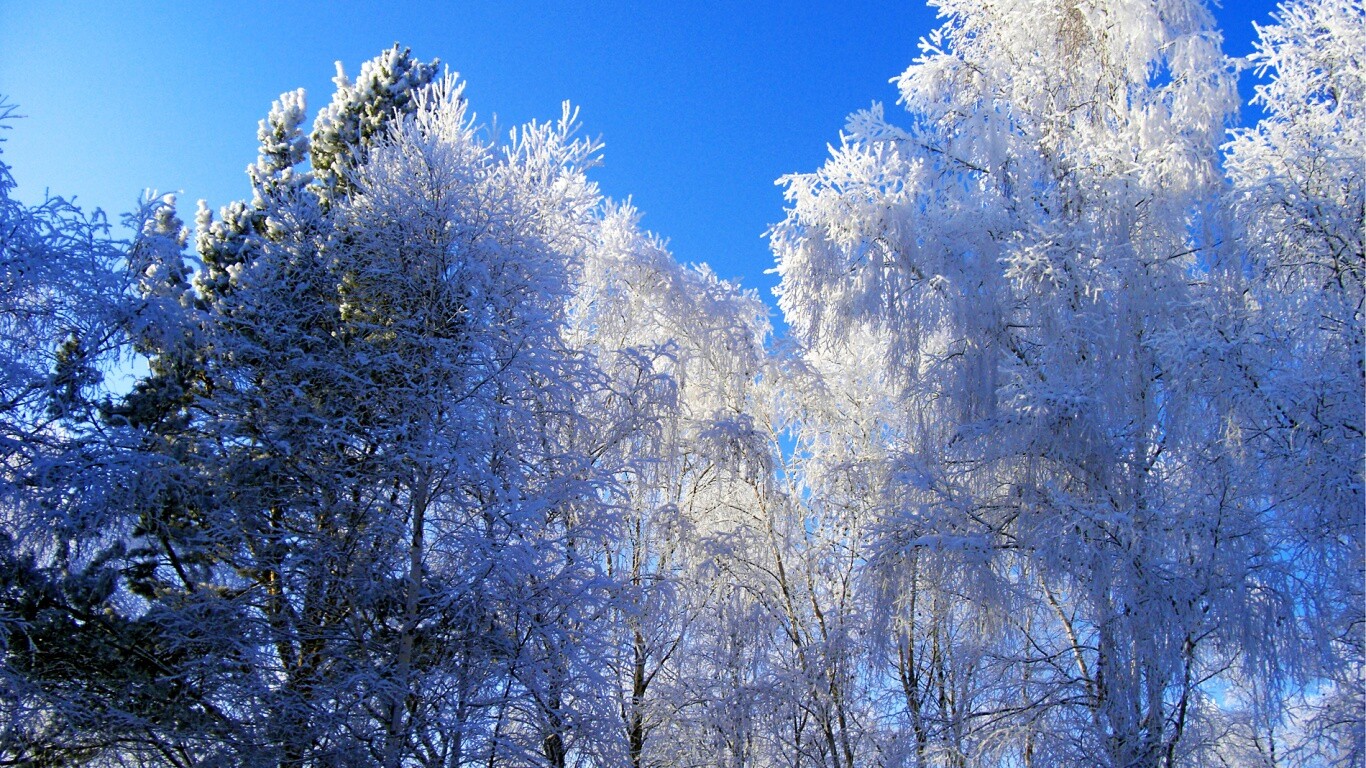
(701, 104)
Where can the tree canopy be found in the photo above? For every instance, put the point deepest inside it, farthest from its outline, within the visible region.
(428, 455)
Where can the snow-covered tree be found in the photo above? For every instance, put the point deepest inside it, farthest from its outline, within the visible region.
(63, 310)
(682, 351)
(1298, 192)
(359, 113)
(60, 314)
(360, 533)
(438, 459)
(1032, 256)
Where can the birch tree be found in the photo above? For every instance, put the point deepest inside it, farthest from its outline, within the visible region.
(1029, 254)
(1298, 199)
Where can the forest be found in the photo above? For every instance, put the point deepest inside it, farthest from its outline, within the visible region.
(429, 455)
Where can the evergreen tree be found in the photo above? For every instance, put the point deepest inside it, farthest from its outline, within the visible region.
(359, 112)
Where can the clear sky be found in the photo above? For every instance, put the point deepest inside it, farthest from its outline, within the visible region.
(702, 105)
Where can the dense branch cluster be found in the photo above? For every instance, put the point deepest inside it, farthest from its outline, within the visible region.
(427, 455)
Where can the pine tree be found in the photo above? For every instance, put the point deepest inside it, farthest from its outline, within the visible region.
(359, 416)
(359, 112)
